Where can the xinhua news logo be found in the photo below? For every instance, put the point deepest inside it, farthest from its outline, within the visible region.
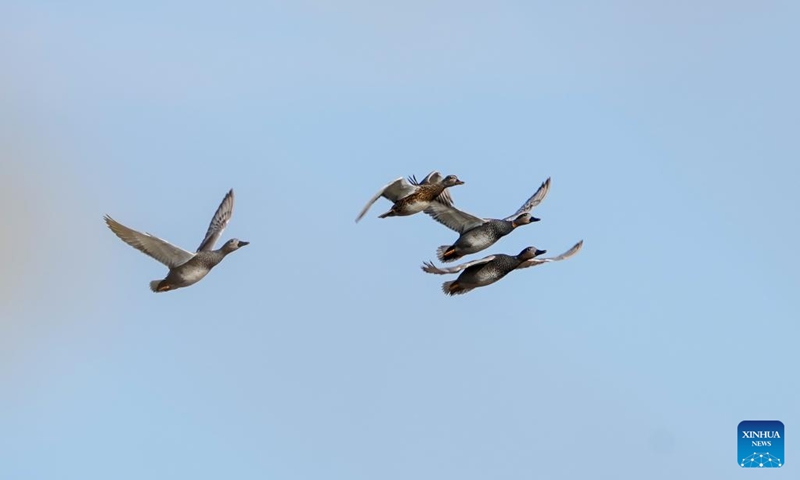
(760, 444)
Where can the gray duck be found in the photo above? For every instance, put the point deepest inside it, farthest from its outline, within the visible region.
(476, 233)
(185, 268)
(488, 270)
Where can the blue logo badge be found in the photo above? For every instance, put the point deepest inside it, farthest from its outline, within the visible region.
(760, 444)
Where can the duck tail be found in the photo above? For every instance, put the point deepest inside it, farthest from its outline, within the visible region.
(446, 253)
(154, 285)
(390, 213)
(454, 288)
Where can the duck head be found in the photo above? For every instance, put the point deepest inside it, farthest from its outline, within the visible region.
(451, 181)
(530, 252)
(524, 219)
(233, 244)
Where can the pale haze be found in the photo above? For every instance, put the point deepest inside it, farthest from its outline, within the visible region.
(321, 351)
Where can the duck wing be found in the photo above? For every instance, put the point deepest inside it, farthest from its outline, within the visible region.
(429, 267)
(453, 218)
(159, 249)
(532, 202)
(433, 177)
(218, 223)
(538, 261)
(393, 191)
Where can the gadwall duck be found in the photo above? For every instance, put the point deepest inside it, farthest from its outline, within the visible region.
(480, 233)
(185, 268)
(410, 197)
(488, 270)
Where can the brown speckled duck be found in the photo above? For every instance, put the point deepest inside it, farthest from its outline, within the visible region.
(410, 197)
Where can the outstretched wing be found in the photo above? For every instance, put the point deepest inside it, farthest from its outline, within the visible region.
(393, 191)
(444, 198)
(218, 223)
(532, 202)
(538, 261)
(453, 218)
(433, 177)
(429, 267)
(161, 250)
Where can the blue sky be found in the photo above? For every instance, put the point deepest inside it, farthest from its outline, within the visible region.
(321, 351)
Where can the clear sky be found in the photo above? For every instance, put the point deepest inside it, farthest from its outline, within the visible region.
(321, 350)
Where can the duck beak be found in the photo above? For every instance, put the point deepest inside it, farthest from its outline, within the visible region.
(459, 182)
(534, 219)
(540, 252)
(242, 244)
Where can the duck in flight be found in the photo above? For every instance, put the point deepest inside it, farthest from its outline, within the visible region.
(410, 196)
(185, 268)
(488, 270)
(476, 233)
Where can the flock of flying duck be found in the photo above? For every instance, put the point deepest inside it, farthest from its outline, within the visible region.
(408, 197)
(476, 234)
